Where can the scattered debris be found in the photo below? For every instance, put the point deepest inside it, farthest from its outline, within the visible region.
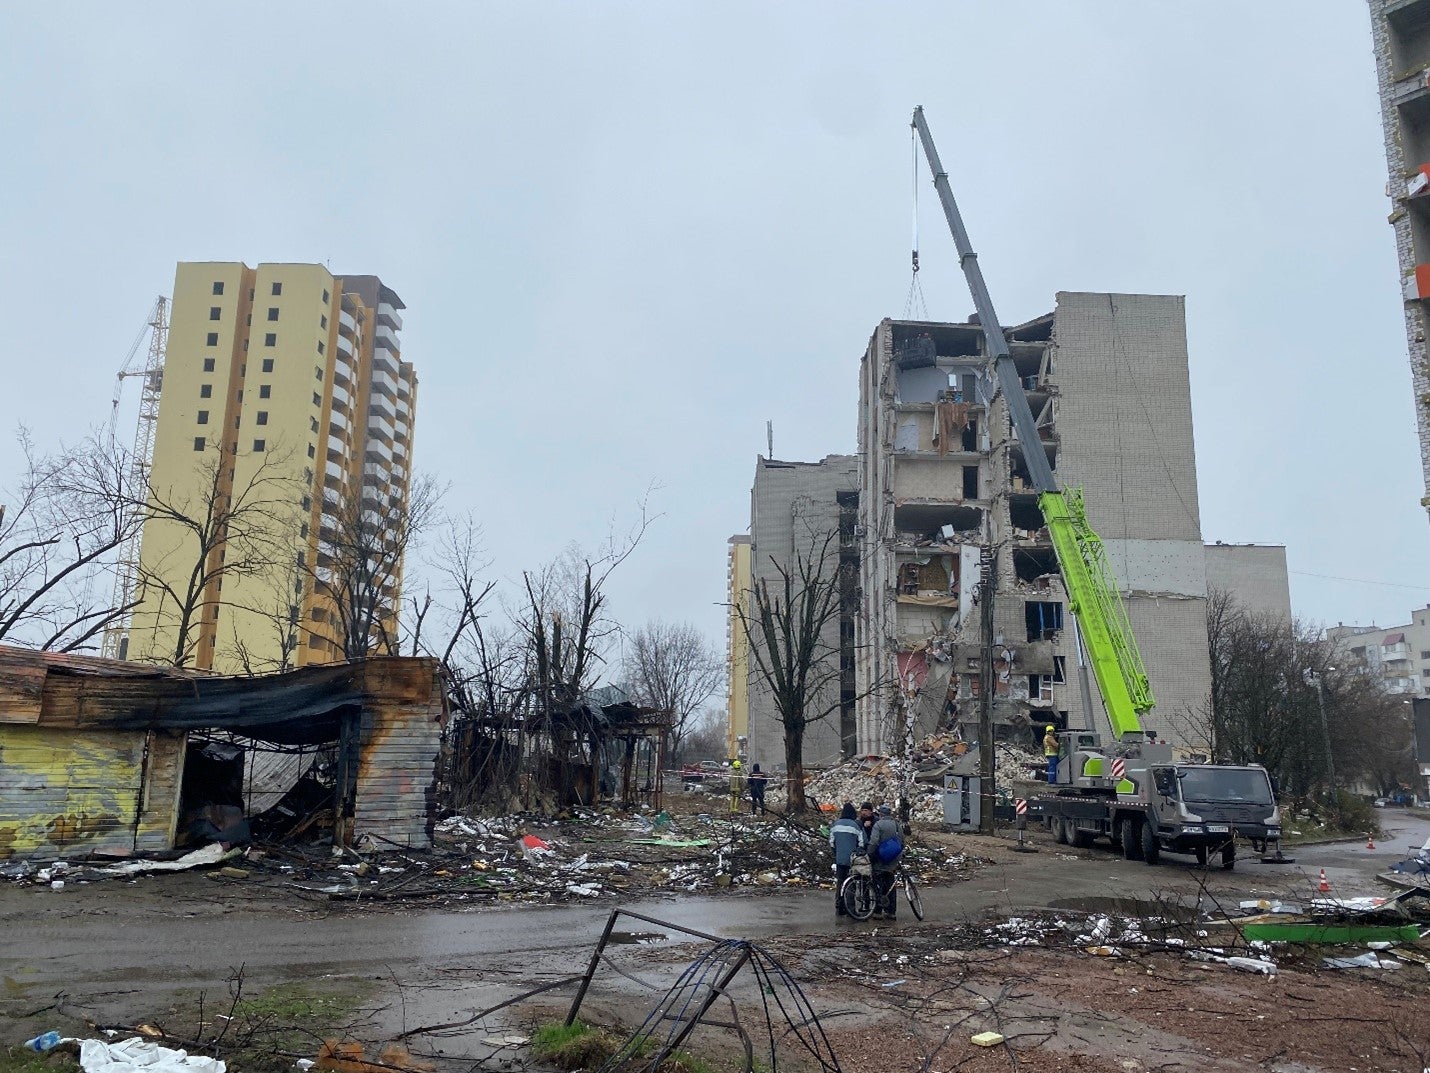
(873, 778)
(338, 1057)
(135, 1054)
(206, 855)
(1369, 960)
(781, 1019)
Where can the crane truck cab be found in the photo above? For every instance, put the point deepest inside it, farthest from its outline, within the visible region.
(1135, 794)
(1199, 807)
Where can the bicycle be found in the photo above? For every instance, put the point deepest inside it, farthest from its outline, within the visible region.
(857, 893)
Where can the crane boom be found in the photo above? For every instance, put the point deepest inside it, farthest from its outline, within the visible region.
(1003, 367)
(1092, 591)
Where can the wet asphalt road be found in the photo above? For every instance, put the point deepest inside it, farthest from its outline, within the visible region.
(117, 948)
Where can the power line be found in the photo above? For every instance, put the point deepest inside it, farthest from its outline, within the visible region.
(1362, 581)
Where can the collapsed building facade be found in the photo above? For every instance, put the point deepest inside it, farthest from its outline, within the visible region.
(945, 500)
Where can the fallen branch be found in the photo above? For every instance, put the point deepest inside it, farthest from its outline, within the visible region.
(429, 1029)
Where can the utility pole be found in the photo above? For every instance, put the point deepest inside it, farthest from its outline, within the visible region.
(985, 692)
(1314, 678)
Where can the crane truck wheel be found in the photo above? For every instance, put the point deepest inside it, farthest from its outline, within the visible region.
(1228, 856)
(1201, 852)
(1060, 830)
(1151, 851)
(1131, 838)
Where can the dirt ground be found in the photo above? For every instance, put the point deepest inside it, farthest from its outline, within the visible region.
(1004, 948)
(1068, 1011)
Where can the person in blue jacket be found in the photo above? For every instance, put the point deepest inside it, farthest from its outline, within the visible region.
(885, 828)
(846, 837)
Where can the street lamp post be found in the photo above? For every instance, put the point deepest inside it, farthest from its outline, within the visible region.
(1312, 678)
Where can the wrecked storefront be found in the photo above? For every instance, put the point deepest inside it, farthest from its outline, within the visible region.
(601, 748)
(101, 756)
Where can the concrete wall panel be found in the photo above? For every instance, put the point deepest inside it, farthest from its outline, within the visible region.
(1157, 567)
(1254, 574)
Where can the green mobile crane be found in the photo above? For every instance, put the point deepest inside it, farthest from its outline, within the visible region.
(1131, 790)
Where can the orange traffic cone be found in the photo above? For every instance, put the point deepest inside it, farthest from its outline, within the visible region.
(1370, 841)
(1324, 886)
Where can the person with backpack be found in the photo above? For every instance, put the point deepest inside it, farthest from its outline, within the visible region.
(886, 846)
(846, 837)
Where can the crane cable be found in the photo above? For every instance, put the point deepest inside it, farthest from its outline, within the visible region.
(915, 304)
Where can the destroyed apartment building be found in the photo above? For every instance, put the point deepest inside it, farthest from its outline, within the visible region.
(99, 756)
(940, 484)
(945, 495)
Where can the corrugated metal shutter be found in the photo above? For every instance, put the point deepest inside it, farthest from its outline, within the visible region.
(64, 792)
(396, 774)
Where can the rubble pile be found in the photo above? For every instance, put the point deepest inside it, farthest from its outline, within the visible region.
(874, 778)
(581, 854)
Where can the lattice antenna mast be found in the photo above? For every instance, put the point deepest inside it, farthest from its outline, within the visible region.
(141, 463)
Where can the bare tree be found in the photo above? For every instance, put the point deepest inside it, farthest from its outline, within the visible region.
(704, 737)
(566, 627)
(1282, 696)
(787, 625)
(461, 562)
(63, 522)
(564, 618)
(517, 689)
(278, 607)
(220, 531)
(673, 667)
(361, 549)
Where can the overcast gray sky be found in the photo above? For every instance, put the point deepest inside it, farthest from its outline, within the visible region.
(630, 233)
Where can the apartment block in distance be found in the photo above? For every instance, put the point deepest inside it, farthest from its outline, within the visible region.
(1400, 32)
(944, 483)
(283, 370)
(1398, 655)
(806, 511)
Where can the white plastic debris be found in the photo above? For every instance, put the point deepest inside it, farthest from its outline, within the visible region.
(213, 853)
(583, 890)
(1269, 905)
(1368, 960)
(137, 1055)
(1262, 965)
(1355, 905)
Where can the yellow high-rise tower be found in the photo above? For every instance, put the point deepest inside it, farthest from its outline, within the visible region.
(737, 698)
(281, 471)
